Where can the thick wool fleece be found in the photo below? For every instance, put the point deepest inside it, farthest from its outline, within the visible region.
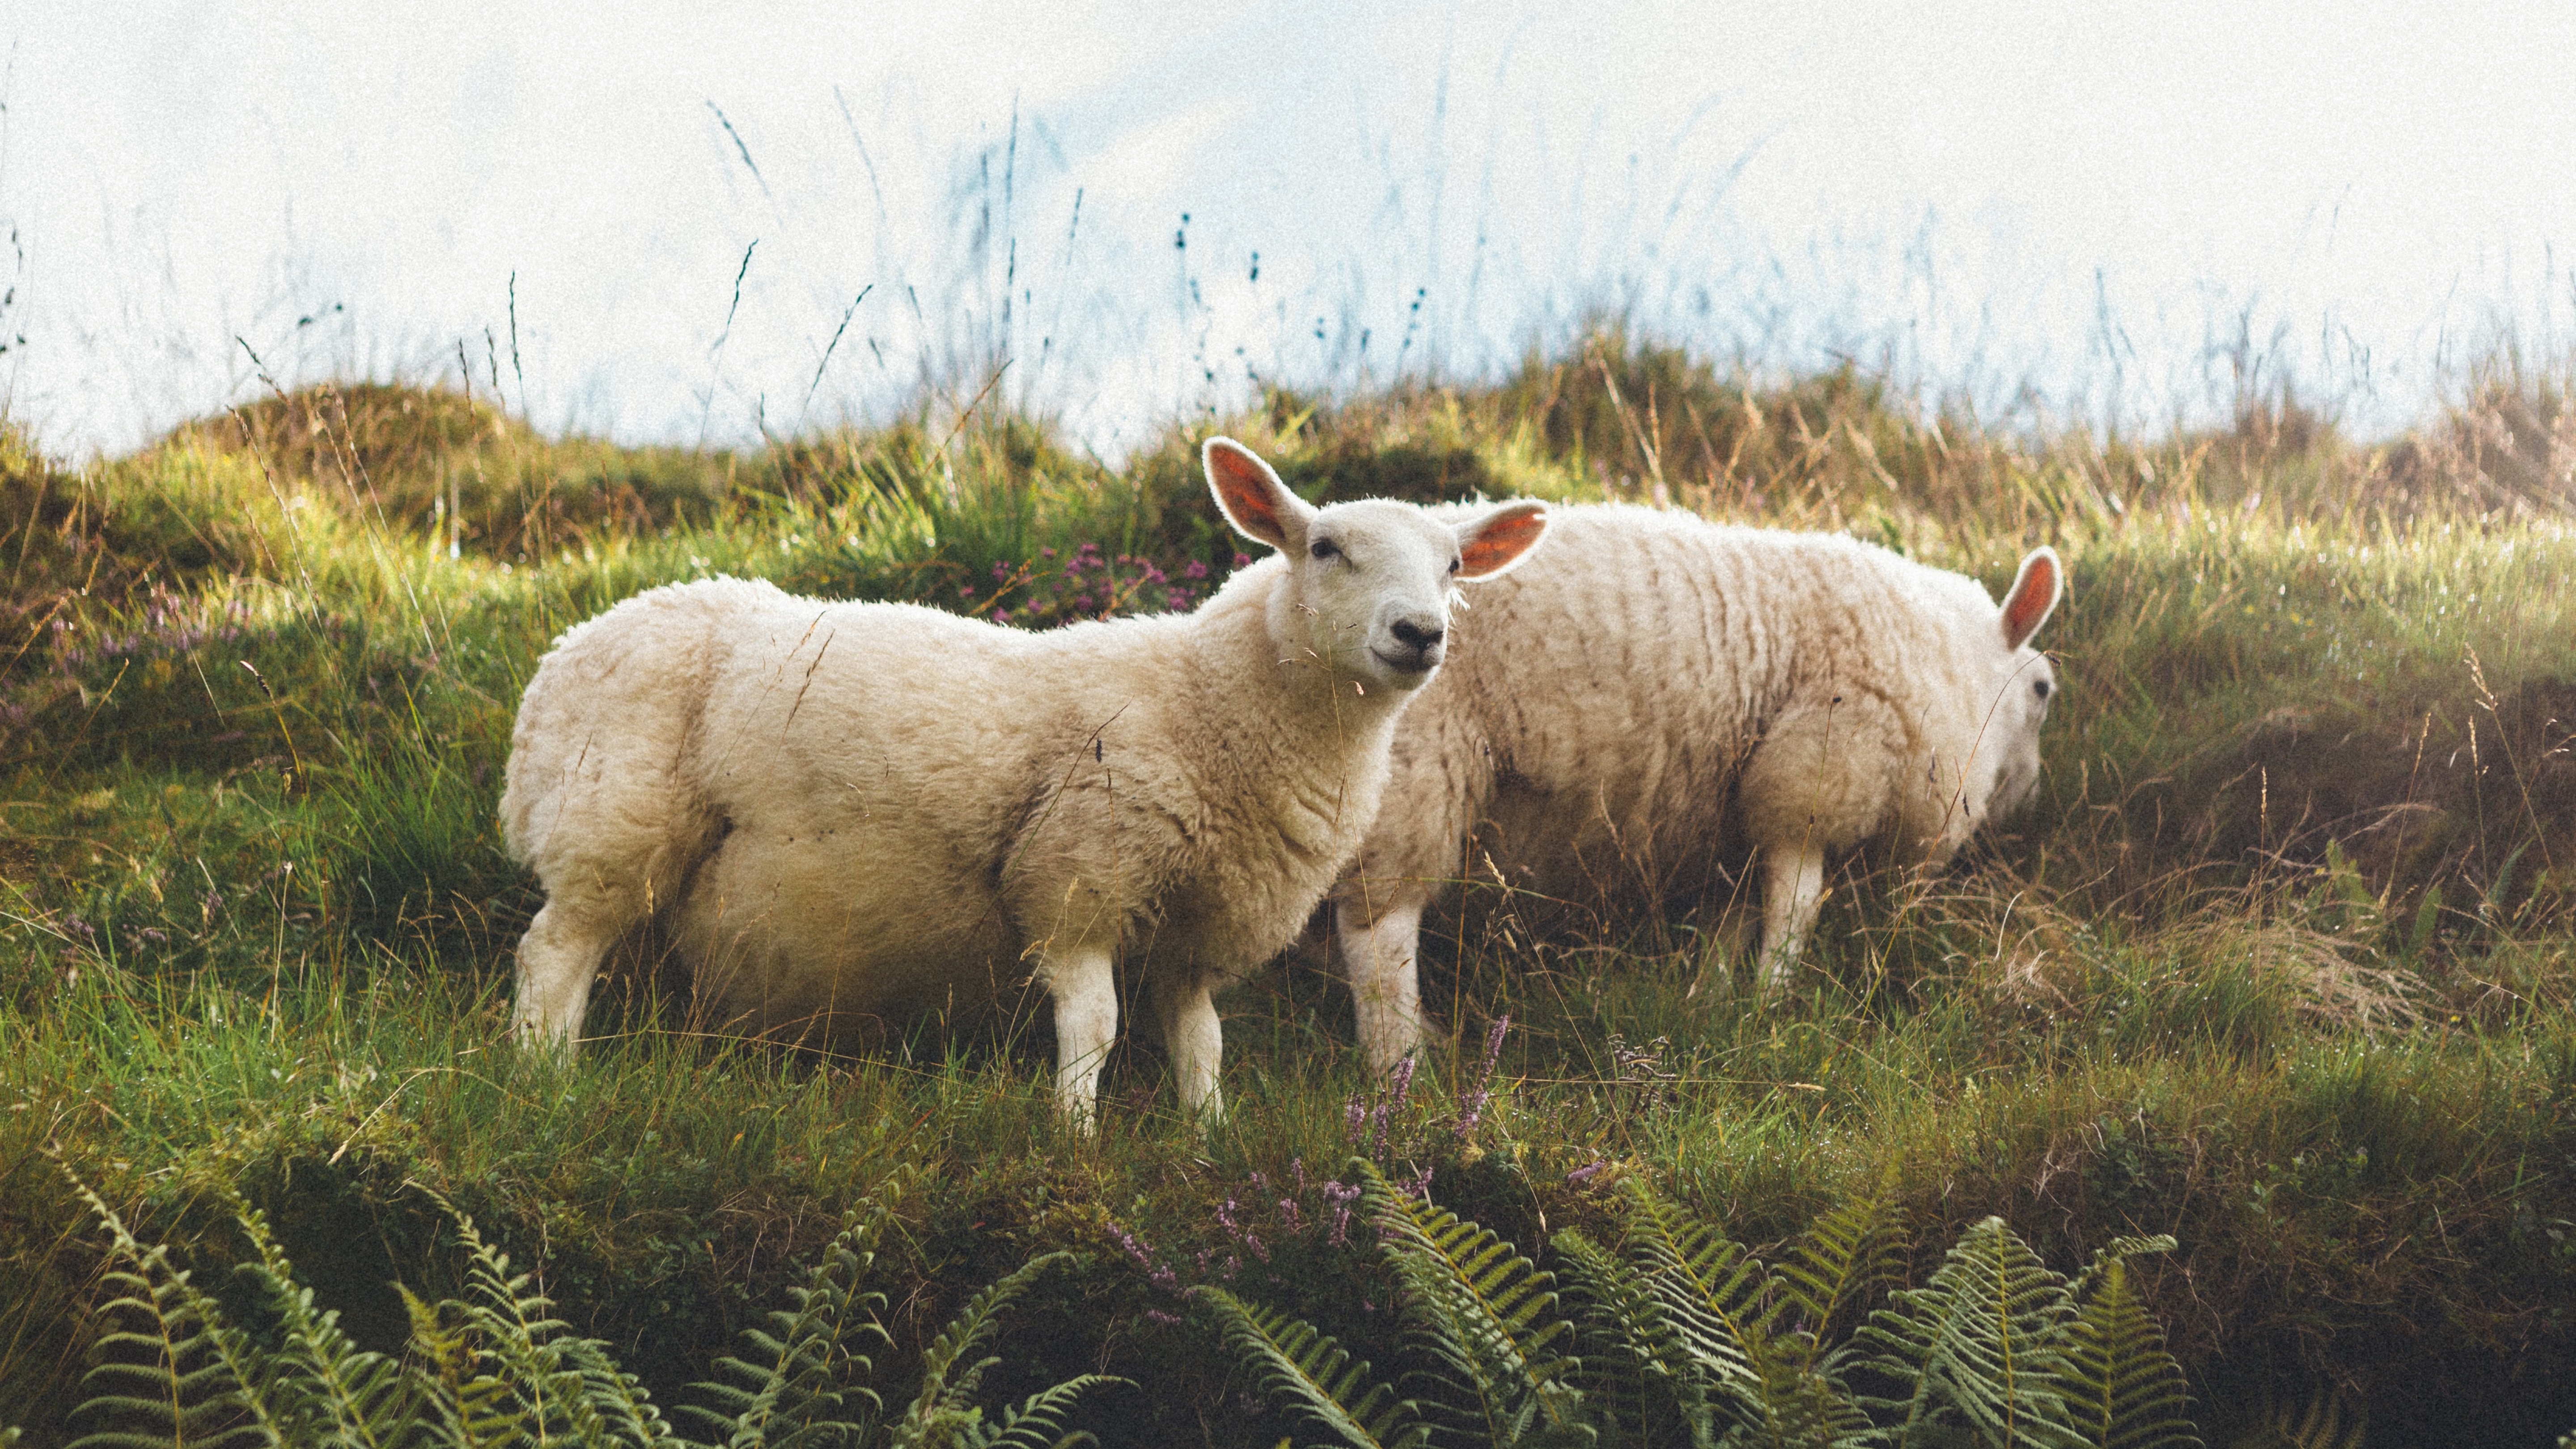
(1656, 691)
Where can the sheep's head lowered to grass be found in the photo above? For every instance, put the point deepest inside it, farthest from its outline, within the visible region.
(2007, 759)
(1370, 581)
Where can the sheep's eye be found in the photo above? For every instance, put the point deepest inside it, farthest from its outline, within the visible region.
(2039, 687)
(1453, 565)
(1324, 548)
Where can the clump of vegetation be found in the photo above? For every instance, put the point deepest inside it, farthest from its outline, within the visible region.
(2280, 964)
(1685, 1338)
(498, 1368)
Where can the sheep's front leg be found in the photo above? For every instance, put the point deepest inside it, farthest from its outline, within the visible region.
(1197, 1044)
(1793, 889)
(1086, 1022)
(1386, 989)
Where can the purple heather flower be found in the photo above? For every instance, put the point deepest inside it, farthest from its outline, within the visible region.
(1472, 1109)
(1585, 1173)
(1236, 1230)
(1341, 1196)
(1194, 570)
(1001, 570)
(1156, 1315)
(1242, 560)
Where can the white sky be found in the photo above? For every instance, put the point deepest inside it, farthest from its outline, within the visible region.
(2080, 197)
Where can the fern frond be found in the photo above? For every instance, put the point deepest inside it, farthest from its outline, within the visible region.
(1724, 1307)
(1636, 1371)
(194, 1387)
(468, 1406)
(2125, 1390)
(798, 1382)
(1483, 1311)
(566, 1386)
(1028, 1423)
(327, 1390)
(1984, 1340)
(1845, 1254)
(2328, 1420)
(619, 1402)
(1710, 1289)
(943, 1412)
(1292, 1360)
(2116, 1252)
(945, 1387)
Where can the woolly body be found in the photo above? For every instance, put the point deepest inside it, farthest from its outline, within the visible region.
(1657, 689)
(859, 810)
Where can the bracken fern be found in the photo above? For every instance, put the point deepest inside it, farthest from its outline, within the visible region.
(498, 1370)
(1688, 1339)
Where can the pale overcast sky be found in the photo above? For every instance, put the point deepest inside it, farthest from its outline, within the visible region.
(2080, 197)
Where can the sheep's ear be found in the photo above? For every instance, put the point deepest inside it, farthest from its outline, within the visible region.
(2034, 596)
(1497, 542)
(1251, 496)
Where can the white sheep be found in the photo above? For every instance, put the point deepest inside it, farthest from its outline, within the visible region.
(1659, 690)
(847, 811)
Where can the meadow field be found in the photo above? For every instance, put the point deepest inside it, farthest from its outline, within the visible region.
(2281, 962)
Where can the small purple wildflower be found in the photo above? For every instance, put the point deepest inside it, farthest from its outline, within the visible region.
(1155, 1268)
(1586, 1172)
(1001, 570)
(1341, 1196)
(1235, 1229)
(1402, 1072)
(965, 591)
(1168, 1320)
(1471, 1109)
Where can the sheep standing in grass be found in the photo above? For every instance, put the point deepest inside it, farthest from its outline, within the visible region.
(848, 811)
(1659, 691)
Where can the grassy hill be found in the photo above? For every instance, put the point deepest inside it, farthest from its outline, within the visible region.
(2280, 963)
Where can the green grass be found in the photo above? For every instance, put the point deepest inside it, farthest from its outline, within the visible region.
(2280, 963)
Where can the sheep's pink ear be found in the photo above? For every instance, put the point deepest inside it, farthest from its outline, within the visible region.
(2034, 596)
(1496, 543)
(1251, 496)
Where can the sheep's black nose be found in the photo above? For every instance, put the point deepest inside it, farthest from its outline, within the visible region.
(1414, 637)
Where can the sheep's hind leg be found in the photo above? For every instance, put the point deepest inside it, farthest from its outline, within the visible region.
(1386, 987)
(1792, 891)
(1086, 1022)
(1196, 1041)
(558, 959)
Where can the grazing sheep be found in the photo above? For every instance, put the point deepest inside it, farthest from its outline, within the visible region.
(844, 811)
(1659, 688)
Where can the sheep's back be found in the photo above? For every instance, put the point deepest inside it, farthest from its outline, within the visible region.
(1600, 705)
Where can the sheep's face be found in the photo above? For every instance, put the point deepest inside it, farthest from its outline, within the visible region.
(2024, 683)
(2027, 685)
(1369, 583)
